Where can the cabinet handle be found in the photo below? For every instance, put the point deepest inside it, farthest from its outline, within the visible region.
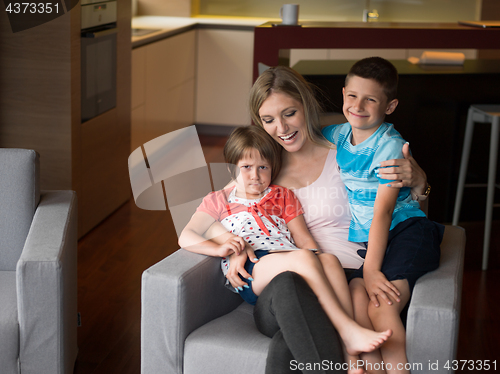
(99, 34)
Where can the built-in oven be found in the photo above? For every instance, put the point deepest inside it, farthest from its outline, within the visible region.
(98, 57)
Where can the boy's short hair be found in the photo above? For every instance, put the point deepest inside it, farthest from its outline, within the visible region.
(243, 139)
(380, 70)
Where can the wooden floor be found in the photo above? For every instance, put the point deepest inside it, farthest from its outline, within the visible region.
(112, 257)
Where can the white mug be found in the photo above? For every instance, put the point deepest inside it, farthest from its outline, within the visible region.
(289, 13)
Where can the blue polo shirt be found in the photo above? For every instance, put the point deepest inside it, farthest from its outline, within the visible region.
(358, 169)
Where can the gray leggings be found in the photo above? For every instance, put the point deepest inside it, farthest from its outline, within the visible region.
(289, 312)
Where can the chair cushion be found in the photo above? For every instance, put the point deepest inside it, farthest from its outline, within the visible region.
(19, 197)
(9, 327)
(227, 345)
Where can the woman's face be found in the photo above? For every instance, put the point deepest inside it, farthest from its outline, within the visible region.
(283, 118)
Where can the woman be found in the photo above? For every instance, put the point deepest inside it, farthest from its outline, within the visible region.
(284, 104)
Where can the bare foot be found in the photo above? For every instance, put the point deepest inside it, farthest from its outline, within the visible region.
(358, 339)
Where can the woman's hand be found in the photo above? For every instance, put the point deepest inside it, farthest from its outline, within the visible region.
(377, 285)
(405, 172)
(237, 267)
(234, 244)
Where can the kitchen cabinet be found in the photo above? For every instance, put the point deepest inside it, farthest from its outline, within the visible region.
(224, 76)
(163, 85)
(40, 103)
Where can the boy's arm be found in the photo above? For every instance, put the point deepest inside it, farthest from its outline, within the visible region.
(301, 234)
(406, 173)
(376, 283)
(193, 240)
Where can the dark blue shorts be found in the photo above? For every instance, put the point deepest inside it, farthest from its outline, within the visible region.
(247, 294)
(412, 250)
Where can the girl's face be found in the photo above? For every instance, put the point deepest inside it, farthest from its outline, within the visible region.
(283, 118)
(254, 175)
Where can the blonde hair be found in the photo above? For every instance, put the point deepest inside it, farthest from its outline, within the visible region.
(287, 81)
(243, 139)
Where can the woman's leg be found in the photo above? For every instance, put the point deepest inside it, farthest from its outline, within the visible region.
(288, 311)
(306, 263)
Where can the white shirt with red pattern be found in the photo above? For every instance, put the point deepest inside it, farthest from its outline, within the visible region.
(261, 222)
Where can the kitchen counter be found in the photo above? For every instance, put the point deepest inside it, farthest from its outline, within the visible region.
(169, 26)
(270, 40)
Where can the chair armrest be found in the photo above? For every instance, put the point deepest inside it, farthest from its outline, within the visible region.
(179, 294)
(434, 313)
(47, 287)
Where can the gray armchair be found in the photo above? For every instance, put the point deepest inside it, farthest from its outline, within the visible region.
(38, 242)
(192, 324)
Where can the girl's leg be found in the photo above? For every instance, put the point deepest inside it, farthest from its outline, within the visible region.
(306, 263)
(360, 300)
(336, 276)
(388, 316)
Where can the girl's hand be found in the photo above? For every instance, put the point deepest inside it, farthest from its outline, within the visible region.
(234, 244)
(377, 285)
(237, 267)
(405, 172)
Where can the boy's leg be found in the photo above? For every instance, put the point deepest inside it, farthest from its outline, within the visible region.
(306, 263)
(412, 251)
(288, 311)
(388, 316)
(360, 300)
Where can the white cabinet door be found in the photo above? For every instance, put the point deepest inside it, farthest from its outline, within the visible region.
(224, 76)
(170, 62)
(138, 77)
(163, 83)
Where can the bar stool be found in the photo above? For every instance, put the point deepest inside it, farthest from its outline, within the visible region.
(487, 114)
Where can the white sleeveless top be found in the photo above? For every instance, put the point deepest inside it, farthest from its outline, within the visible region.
(327, 214)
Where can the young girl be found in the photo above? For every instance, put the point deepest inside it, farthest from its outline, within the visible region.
(266, 217)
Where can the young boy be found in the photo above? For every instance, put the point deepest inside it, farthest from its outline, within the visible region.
(402, 243)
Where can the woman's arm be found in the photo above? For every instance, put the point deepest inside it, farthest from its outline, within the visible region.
(193, 240)
(236, 260)
(376, 283)
(301, 234)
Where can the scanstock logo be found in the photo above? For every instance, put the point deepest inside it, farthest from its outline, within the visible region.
(26, 14)
(170, 172)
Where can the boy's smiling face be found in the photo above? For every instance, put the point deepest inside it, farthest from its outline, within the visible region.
(365, 106)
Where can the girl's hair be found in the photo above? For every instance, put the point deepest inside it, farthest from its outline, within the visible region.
(285, 80)
(243, 139)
